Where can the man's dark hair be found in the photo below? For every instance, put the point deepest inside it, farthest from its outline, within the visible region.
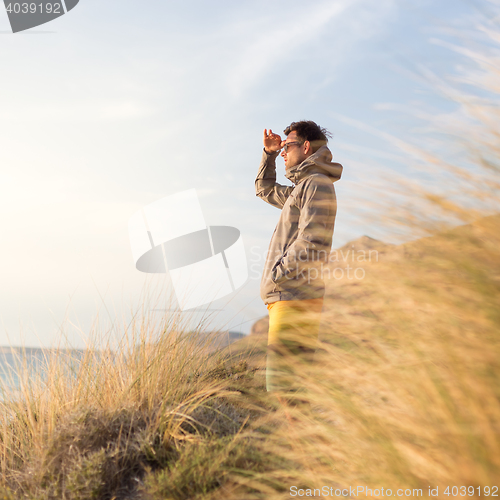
(308, 130)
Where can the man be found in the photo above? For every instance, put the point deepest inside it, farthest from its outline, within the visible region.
(292, 285)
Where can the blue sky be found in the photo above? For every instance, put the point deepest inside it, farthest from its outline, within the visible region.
(118, 104)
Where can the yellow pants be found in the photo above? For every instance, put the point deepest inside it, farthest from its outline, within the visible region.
(292, 338)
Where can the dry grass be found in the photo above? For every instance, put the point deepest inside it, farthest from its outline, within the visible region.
(405, 393)
(162, 416)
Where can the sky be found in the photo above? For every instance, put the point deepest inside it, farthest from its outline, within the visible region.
(118, 104)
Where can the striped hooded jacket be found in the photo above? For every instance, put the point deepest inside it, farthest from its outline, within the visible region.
(302, 240)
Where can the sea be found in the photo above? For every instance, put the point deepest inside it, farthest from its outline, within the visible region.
(32, 362)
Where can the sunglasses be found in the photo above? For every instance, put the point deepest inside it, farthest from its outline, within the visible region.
(288, 144)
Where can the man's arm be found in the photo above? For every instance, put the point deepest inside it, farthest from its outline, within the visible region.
(318, 208)
(266, 186)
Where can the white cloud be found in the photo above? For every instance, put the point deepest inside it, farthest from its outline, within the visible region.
(276, 45)
(278, 42)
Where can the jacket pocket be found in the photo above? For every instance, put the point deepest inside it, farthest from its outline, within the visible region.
(276, 273)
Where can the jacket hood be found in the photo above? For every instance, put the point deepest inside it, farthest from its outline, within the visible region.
(318, 163)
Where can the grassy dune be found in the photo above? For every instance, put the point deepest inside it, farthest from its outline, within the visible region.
(127, 421)
(404, 394)
(408, 385)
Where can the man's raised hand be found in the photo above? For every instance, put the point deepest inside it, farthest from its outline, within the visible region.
(272, 142)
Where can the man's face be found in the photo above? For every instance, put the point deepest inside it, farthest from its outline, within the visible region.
(295, 154)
